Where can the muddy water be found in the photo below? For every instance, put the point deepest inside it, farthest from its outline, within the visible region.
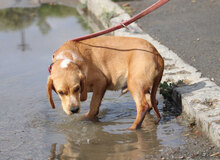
(30, 129)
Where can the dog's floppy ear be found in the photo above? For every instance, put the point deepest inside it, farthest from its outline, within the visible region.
(49, 91)
(83, 95)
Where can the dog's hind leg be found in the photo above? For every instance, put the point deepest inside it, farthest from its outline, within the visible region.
(148, 98)
(153, 95)
(142, 105)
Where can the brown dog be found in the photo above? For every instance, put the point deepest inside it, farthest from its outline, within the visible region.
(106, 63)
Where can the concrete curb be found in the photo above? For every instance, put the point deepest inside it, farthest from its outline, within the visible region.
(200, 98)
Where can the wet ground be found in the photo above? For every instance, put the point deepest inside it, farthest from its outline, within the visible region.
(30, 129)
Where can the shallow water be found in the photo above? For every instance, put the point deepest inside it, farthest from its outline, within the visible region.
(30, 129)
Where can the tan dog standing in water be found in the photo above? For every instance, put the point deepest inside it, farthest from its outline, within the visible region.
(106, 63)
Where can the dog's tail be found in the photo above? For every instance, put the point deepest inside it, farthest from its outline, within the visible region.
(160, 67)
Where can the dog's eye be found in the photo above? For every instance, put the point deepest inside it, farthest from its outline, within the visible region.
(61, 93)
(76, 89)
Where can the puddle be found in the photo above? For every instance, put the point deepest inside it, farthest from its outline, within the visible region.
(30, 129)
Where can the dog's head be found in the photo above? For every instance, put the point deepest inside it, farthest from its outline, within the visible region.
(69, 83)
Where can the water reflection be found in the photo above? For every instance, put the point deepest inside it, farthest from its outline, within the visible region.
(13, 19)
(109, 139)
(18, 19)
(98, 144)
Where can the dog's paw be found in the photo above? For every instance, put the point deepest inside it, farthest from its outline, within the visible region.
(134, 127)
(84, 117)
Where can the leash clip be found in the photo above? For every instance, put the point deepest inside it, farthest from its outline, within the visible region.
(124, 26)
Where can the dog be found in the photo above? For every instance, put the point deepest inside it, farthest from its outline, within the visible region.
(106, 63)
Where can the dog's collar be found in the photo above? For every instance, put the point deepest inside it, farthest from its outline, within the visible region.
(50, 68)
(51, 65)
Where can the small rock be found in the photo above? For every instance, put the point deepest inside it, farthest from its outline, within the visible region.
(197, 132)
(211, 147)
(204, 154)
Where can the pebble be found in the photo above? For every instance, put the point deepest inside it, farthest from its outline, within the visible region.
(204, 154)
(88, 140)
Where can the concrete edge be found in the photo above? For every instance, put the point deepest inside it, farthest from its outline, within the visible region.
(200, 99)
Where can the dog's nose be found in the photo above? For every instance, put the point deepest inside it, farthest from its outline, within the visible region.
(74, 109)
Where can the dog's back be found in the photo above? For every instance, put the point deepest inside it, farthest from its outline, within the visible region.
(115, 56)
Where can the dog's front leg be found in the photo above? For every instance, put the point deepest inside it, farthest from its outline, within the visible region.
(98, 92)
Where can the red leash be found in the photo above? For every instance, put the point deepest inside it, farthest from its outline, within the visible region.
(125, 23)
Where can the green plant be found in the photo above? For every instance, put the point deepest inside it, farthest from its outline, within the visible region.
(166, 89)
(107, 16)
